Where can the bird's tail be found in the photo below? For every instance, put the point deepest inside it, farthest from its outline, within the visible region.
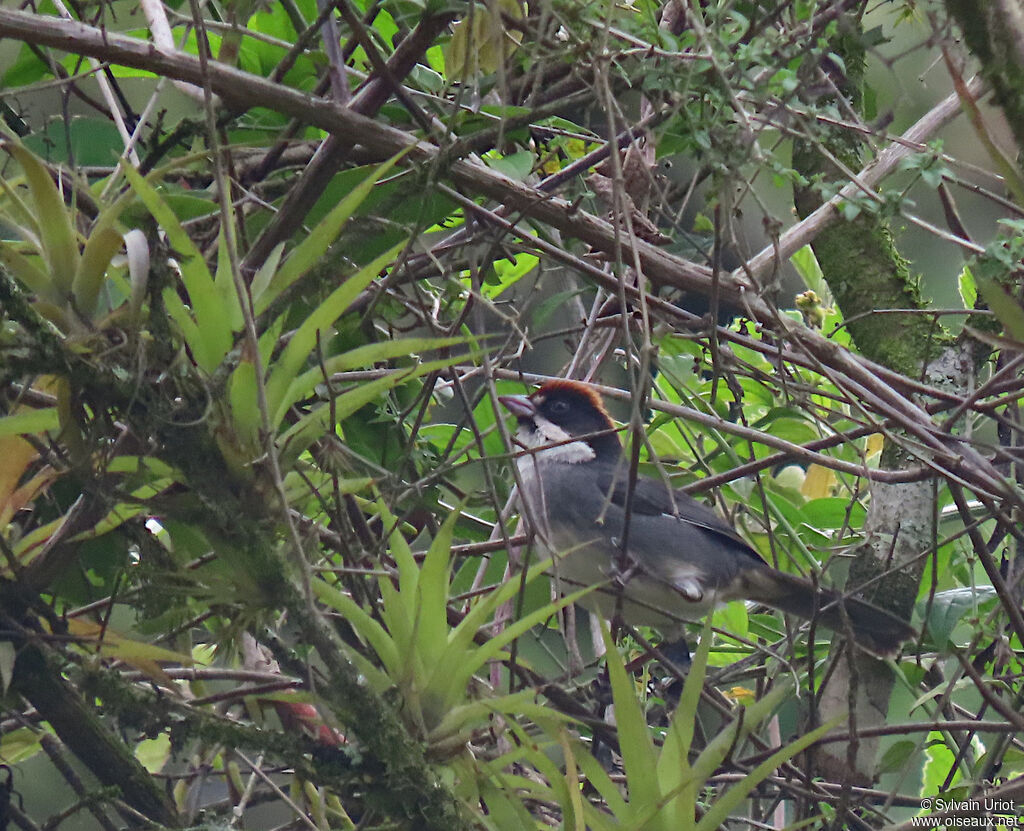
(876, 630)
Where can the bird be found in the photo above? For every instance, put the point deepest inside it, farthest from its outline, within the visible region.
(680, 558)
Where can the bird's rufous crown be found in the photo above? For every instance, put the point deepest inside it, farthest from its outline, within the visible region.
(592, 396)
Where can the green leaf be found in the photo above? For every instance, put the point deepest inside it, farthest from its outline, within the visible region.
(598, 777)
(185, 206)
(102, 245)
(367, 628)
(484, 653)
(27, 69)
(363, 356)
(505, 809)
(224, 282)
(898, 756)
(56, 233)
(154, 753)
(833, 512)
(686, 711)
(398, 609)
(461, 637)
(302, 342)
(20, 744)
(243, 401)
(728, 802)
(639, 757)
(548, 307)
(18, 213)
(793, 430)
(949, 607)
(753, 714)
(88, 140)
(458, 716)
(312, 249)
(180, 314)
(29, 274)
(515, 165)
(675, 775)
(434, 579)
(310, 427)
(212, 337)
(481, 41)
(508, 273)
(734, 618)
(266, 273)
(1004, 305)
(939, 760)
(29, 422)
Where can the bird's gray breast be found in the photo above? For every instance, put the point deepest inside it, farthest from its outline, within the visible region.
(657, 582)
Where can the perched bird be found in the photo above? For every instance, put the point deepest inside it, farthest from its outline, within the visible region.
(681, 559)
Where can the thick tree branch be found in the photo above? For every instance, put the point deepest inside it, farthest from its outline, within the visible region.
(37, 677)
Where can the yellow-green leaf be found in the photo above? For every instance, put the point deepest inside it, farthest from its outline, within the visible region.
(315, 326)
(56, 233)
(312, 249)
(99, 250)
(29, 274)
(481, 41)
(154, 753)
(29, 421)
(143, 656)
(212, 337)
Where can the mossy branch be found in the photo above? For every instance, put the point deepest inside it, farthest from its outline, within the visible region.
(858, 258)
(39, 679)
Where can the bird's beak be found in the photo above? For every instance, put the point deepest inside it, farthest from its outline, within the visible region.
(519, 405)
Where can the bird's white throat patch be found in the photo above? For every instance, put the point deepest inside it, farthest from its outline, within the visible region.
(553, 443)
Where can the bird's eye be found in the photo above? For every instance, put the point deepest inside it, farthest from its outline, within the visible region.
(559, 407)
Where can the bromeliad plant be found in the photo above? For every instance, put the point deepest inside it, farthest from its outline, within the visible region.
(81, 287)
(66, 270)
(666, 782)
(211, 325)
(76, 283)
(436, 669)
(435, 666)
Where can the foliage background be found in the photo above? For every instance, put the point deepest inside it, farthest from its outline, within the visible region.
(265, 269)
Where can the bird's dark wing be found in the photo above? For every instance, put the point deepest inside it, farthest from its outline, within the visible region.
(651, 497)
